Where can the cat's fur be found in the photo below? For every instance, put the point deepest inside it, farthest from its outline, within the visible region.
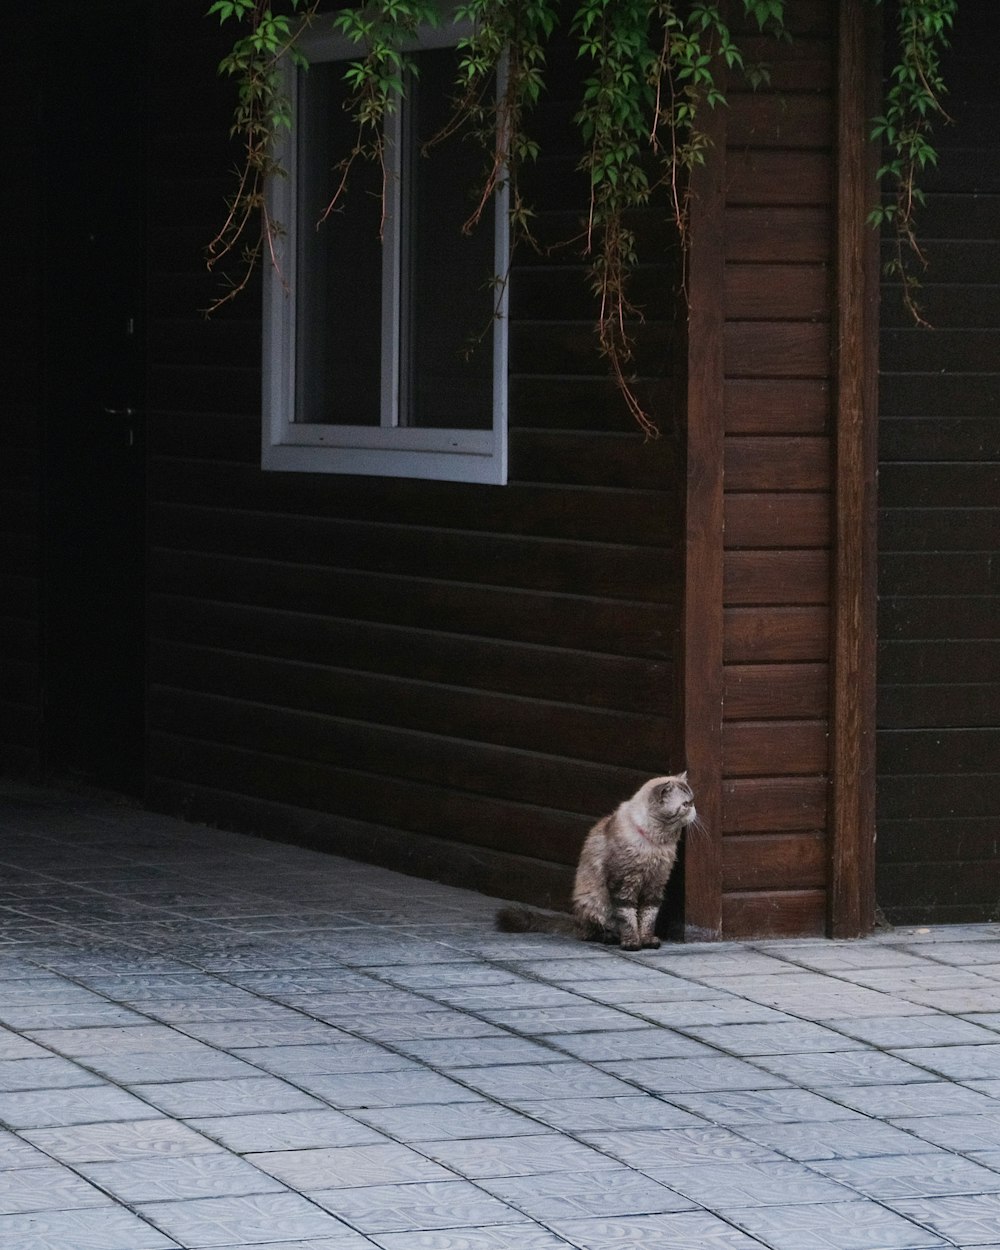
(623, 869)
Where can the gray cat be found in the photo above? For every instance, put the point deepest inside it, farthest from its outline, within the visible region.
(623, 870)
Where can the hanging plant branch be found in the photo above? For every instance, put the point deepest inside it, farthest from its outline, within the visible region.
(263, 111)
(912, 103)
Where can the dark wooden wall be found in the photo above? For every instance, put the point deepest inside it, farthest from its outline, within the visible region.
(939, 657)
(21, 205)
(452, 679)
(759, 522)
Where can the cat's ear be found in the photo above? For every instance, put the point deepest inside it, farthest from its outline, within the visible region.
(683, 776)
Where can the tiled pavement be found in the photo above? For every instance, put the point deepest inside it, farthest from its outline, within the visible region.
(208, 1040)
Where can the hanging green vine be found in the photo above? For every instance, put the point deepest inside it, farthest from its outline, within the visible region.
(653, 67)
(912, 103)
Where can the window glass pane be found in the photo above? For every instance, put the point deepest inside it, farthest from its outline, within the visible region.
(339, 279)
(447, 296)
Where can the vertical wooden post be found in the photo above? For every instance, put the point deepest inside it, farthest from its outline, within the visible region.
(704, 528)
(852, 723)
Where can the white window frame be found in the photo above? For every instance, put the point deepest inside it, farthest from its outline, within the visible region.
(388, 449)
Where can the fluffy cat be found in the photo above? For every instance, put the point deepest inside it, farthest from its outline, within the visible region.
(623, 869)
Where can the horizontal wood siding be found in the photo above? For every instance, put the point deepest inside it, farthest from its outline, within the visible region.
(939, 477)
(21, 439)
(452, 679)
(777, 502)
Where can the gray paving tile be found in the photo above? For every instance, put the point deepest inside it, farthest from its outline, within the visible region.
(793, 1037)
(856, 1138)
(847, 1067)
(678, 1147)
(344, 1167)
(957, 1062)
(965, 1133)
(96, 1228)
(750, 1182)
(141, 1038)
(386, 1089)
(49, 1188)
(453, 1054)
(966, 1220)
(696, 1230)
(290, 1028)
(430, 1122)
(255, 1218)
(581, 1115)
(324, 1058)
(285, 1130)
(769, 1106)
(502, 1237)
(112, 1142)
(565, 1195)
(639, 1043)
(912, 1176)
(14, 1046)
(49, 1073)
(343, 1239)
(676, 1076)
(516, 1156)
(412, 1026)
(858, 1225)
(891, 1102)
(723, 1009)
(225, 1097)
(545, 1021)
(545, 1080)
(187, 1176)
(80, 1105)
(416, 1207)
(933, 1029)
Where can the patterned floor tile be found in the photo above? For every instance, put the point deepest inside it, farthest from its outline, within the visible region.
(453, 1054)
(348, 1166)
(860, 1225)
(723, 1009)
(411, 1027)
(549, 1080)
(225, 1097)
(767, 1106)
(796, 1037)
(565, 1195)
(674, 1076)
(112, 1142)
(286, 1130)
(837, 1139)
(416, 1207)
(289, 1029)
(694, 1230)
(96, 1228)
(928, 1098)
(912, 1176)
(516, 1156)
(51, 1188)
(966, 1220)
(545, 1021)
(14, 1046)
(965, 1133)
(719, 1186)
(86, 1104)
(582, 1115)
(848, 1067)
(190, 1176)
(387, 1089)
(959, 1063)
(430, 1122)
(504, 1237)
(198, 1224)
(43, 1074)
(639, 1043)
(642, 1149)
(933, 1029)
(144, 1038)
(324, 1058)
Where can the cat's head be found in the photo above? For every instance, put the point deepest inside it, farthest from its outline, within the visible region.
(670, 800)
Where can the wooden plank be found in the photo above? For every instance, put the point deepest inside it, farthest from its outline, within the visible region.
(943, 438)
(541, 618)
(939, 529)
(923, 660)
(852, 720)
(769, 292)
(777, 577)
(702, 631)
(618, 461)
(772, 120)
(788, 691)
(937, 841)
(774, 804)
(777, 521)
(971, 704)
(937, 573)
(774, 913)
(776, 635)
(936, 794)
(774, 748)
(774, 861)
(940, 616)
(543, 672)
(602, 570)
(777, 349)
(804, 63)
(769, 233)
(966, 752)
(554, 403)
(570, 348)
(776, 406)
(944, 484)
(604, 736)
(397, 759)
(777, 464)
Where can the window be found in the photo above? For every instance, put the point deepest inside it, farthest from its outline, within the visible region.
(384, 357)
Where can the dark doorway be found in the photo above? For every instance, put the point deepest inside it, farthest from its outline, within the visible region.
(95, 153)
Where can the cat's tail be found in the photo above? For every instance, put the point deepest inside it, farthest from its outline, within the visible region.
(515, 919)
